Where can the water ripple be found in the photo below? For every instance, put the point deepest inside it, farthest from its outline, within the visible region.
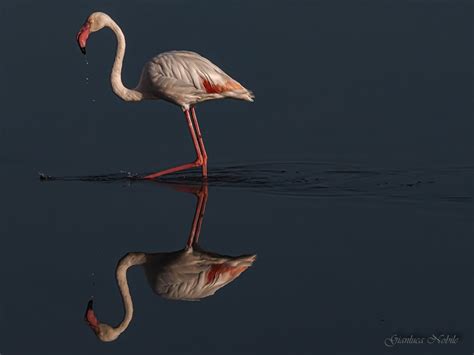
(308, 179)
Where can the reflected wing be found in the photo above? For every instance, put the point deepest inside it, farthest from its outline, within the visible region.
(198, 275)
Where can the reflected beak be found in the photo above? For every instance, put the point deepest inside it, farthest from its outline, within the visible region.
(82, 36)
(90, 317)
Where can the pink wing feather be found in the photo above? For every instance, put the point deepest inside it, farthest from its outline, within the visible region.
(186, 78)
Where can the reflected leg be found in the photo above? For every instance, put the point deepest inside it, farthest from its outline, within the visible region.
(204, 196)
(198, 216)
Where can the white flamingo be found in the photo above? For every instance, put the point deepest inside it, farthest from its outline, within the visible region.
(181, 77)
(189, 274)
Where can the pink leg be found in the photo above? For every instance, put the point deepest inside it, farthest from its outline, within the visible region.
(198, 216)
(201, 143)
(203, 195)
(196, 163)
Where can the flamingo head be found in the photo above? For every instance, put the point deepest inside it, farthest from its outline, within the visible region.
(103, 331)
(95, 22)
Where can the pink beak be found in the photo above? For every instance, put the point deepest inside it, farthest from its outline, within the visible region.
(82, 36)
(90, 317)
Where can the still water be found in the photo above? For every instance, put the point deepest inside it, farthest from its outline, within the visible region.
(341, 200)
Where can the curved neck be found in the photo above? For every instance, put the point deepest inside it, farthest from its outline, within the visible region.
(129, 260)
(116, 76)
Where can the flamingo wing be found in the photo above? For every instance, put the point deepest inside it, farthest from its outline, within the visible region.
(176, 90)
(186, 78)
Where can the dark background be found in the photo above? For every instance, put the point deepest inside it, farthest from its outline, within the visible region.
(375, 84)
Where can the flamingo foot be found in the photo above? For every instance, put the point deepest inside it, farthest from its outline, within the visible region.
(192, 165)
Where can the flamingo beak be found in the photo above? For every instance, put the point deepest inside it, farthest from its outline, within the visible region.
(82, 36)
(90, 317)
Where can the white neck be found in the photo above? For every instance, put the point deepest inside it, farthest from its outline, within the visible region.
(129, 260)
(119, 89)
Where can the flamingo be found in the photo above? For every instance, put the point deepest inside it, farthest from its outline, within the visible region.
(183, 78)
(189, 274)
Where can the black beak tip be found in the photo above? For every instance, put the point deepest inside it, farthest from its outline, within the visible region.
(83, 50)
(90, 305)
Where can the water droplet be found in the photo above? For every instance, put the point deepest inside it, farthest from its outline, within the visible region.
(93, 100)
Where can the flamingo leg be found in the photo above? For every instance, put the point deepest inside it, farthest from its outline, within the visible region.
(196, 163)
(198, 216)
(201, 142)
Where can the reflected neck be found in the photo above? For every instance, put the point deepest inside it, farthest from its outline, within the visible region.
(129, 260)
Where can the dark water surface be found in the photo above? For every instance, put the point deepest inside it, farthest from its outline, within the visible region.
(350, 177)
(309, 179)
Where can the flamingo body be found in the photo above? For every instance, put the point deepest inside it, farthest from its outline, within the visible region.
(186, 78)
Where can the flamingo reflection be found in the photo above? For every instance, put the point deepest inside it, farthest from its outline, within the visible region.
(188, 274)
